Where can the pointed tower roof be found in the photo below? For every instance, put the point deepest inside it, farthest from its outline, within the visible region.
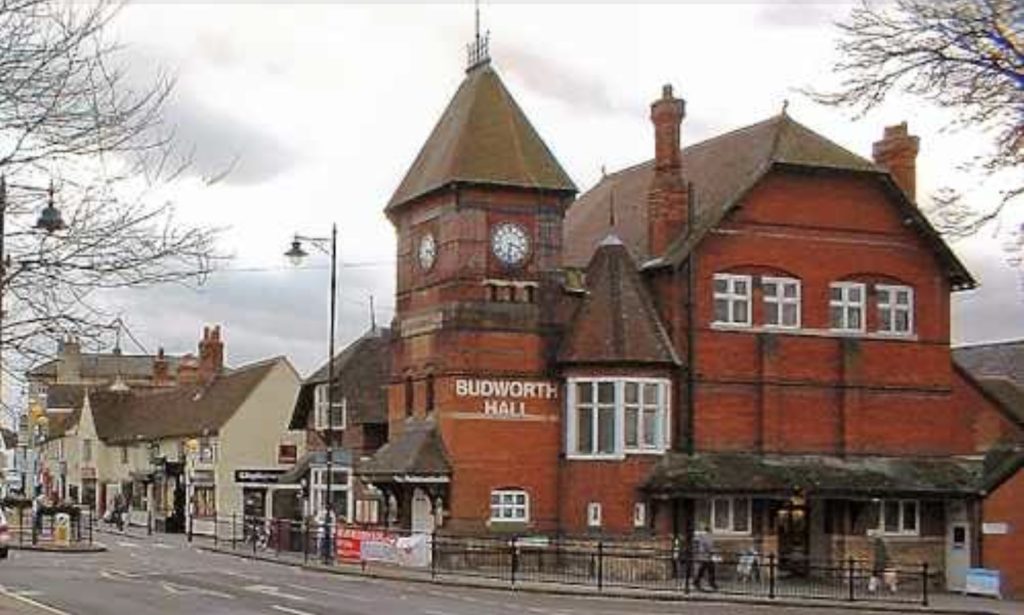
(483, 137)
(616, 322)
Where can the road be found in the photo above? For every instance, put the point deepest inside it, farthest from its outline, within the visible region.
(164, 574)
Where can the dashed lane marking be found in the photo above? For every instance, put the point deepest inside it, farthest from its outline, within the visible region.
(326, 592)
(31, 602)
(433, 612)
(160, 545)
(272, 590)
(285, 609)
(127, 545)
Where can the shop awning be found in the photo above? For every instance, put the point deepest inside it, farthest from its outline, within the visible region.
(416, 455)
(680, 475)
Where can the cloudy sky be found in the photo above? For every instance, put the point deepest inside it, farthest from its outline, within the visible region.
(319, 109)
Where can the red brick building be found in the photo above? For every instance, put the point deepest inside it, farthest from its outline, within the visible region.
(749, 334)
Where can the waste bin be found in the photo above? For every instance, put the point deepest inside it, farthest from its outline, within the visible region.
(62, 529)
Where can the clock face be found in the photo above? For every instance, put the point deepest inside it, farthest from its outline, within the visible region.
(427, 251)
(510, 243)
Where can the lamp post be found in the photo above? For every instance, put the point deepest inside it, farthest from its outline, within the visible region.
(50, 221)
(295, 253)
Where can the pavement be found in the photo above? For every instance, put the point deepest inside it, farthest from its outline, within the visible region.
(165, 574)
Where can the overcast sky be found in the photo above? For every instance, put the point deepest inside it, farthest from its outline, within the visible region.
(323, 107)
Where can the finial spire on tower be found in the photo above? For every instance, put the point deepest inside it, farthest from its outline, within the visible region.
(477, 53)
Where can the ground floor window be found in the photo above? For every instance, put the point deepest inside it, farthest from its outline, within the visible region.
(898, 517)
(727, 515)
(368, 512)
(510, 505)
(339, 491)
(137, 495)
(204, 501)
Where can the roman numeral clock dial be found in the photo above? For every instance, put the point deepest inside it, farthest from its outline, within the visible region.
(510, 244)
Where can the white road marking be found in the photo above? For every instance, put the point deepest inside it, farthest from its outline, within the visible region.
(284, 609)
(179, 588)
(433, 612)
(35, 603)
(29, 593)
(317, 590)
(240, 575)
(127, 545)
(272, 590)
(160, 545)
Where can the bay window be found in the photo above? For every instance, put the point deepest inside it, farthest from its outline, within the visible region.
(610, 417)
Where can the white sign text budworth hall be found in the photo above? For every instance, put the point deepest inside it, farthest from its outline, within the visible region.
(505, 398)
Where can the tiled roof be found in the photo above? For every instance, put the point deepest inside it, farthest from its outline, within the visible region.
(995, 360)
(482, 137)
(183, 411)
(108, 365)
(59, 423)
(616, 321)
(362, 370)
(417, 451)
(65, 396)
(678, 473)
(722, 171)
(1008, 393)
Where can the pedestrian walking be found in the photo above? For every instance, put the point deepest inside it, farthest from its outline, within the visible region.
(880, 565)
(706, 559)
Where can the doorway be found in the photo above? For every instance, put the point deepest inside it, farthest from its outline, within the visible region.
(958, 547)
(791, 522)
(422, 515)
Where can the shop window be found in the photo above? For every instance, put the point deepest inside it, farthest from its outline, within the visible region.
(724, 515)
(895, 309)
(204, 500)
(899, 517)
(612, 417)
(368, 512)
(732, 299)
(510, 505)
(846, 306)
(781, 302)
(594, 514)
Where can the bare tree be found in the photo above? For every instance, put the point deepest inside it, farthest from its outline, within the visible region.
(963, 55)
(72, 112)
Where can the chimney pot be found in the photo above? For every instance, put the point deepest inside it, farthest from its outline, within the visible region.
(667, 202)
(897, 153)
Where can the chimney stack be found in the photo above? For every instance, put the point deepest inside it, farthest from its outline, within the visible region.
(69, 361)
(666, 198)
(188, 370)
(211, 354)
(897, 153)
(161, 370)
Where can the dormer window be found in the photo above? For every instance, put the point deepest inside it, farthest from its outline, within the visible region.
(732, 299)
(324, 416)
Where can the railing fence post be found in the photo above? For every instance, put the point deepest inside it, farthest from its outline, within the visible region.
(254, 534)
(600, 565)
(305, 541)
(433, 555)
(233, 531)
(687, 570)
(191, 517)
(771, 575)
(515, 559)
(924, 583)
(850, 579)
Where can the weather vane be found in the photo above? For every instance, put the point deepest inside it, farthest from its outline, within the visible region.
(476, 52)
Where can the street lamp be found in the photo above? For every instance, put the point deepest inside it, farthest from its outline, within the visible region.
(295, 254)
(50, 220)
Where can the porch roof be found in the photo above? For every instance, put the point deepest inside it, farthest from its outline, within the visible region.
(416, 455)
(678, 474)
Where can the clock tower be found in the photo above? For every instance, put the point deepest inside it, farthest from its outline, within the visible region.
(474, 403)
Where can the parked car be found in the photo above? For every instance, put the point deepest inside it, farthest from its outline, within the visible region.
(5, 535)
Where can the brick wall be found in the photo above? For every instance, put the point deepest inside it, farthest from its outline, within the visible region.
(1005, 552)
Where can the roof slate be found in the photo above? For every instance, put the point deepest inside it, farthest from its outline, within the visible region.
(108, 365)
(722, 171)
(183, 411)
(678, 473)
(1008, 393)
(362, 372)
(483, 136)
(417, 451)
(65, 396)
(616, 321)
(998, 360)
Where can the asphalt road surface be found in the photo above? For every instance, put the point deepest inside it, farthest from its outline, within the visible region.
(163, 574)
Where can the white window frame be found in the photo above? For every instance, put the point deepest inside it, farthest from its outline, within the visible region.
(593, 514)
(845, 305)
(516, 502)
(619, 448)
(318, 488)
(891, 291)
(320, 409)
(780, 300)
(732, 298)
(730, 529)
(640, 514)
(901, 529)
(659, 409)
